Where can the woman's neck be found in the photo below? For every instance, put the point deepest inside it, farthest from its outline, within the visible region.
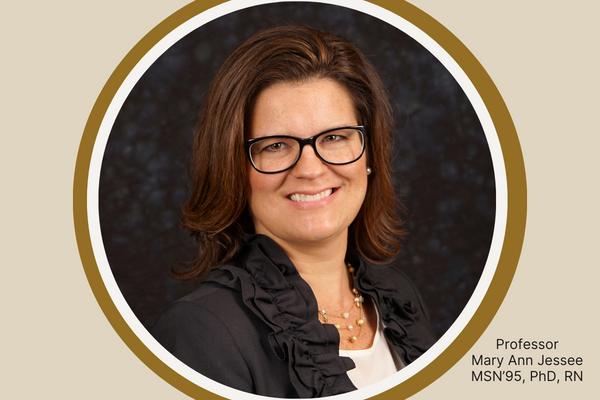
(322, 265)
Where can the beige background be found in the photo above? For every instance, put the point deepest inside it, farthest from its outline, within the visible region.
(56, 342)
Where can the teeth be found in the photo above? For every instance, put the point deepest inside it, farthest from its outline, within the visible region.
(308, 197)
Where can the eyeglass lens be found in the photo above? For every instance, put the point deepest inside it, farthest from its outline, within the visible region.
(277, 153)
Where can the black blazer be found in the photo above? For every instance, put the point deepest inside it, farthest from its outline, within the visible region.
(253, 324)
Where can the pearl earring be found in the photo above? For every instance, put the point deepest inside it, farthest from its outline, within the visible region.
(368, 171)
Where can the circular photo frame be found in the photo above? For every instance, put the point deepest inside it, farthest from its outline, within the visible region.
(458, 170)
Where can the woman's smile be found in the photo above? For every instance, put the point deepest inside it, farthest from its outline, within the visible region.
(310, 198)
(306, 200)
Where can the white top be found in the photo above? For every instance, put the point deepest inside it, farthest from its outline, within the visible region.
(375, 363)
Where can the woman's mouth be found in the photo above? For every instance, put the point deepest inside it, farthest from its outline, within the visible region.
(308, 197)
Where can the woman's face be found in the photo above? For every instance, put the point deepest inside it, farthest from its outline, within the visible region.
(304, 110)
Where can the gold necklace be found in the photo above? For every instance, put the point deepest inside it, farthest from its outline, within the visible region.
(358, 300)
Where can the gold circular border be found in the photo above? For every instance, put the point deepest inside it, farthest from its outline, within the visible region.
(516, 193)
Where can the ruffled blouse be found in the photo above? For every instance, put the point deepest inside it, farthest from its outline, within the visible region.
(278, 303)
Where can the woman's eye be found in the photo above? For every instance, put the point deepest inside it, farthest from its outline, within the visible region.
(274, 147)
(333, 138)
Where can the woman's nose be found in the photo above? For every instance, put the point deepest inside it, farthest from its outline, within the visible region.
(309, 166)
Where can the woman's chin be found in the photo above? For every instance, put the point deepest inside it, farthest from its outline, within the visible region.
(313, 235)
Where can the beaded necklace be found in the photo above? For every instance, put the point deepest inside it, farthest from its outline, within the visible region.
(358, 301)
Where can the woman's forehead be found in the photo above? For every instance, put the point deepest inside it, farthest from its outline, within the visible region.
(301, 109)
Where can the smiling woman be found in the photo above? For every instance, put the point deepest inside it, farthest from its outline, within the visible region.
(293, 207)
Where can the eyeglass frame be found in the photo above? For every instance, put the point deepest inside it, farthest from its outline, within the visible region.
(312, 141)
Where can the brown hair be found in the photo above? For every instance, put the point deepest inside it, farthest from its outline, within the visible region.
(216, 211)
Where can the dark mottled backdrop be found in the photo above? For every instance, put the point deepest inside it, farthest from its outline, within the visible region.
(442, 164)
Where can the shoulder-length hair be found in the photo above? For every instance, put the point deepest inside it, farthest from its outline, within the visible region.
(216, 212)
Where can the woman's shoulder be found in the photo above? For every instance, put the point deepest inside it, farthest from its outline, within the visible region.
(387, 278)
(392, 285)
(212, 302)
(254, 331)
(400, 307)
(212, 332)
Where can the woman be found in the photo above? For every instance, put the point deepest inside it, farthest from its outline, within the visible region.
(293, 207)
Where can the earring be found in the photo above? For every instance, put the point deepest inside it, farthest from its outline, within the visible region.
(368, 171)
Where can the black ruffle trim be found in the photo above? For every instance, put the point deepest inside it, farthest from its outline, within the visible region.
(406, 326)
(272, 289)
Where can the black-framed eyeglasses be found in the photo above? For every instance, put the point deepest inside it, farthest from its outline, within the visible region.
(338, 146)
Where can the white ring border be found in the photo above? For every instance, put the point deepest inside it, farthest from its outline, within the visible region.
(234, 5)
